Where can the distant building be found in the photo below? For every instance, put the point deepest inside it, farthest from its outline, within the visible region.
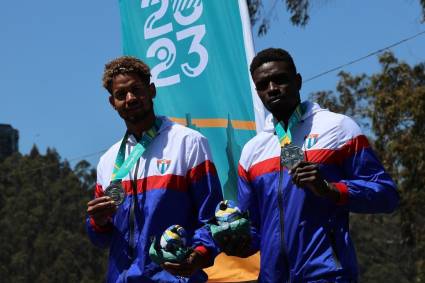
(8, 140)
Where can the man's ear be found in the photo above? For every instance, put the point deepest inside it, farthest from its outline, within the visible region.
(298, 81)
(152, 90)
(112, 101)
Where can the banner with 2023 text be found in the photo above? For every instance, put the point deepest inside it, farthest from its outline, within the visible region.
(199, 52)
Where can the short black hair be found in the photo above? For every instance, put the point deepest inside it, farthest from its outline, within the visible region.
(125, 65)
(270, 55)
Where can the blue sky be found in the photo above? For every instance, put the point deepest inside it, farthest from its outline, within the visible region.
(52, 55)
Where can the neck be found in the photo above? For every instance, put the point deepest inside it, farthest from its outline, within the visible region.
(284, 116)
(138, 128)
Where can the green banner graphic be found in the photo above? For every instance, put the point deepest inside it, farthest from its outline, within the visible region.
(197, 54)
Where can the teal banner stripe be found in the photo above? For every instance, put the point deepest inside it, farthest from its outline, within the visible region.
(196, 52)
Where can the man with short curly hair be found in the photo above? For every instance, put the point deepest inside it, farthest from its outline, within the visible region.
(125, 64)
(160, 174)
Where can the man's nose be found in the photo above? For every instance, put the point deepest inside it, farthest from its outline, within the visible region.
(272, 86)
(130, 96)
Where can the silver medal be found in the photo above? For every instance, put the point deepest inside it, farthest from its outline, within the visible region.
(116, 192)
(291, 155)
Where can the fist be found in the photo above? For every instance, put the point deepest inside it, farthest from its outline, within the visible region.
(101, 209)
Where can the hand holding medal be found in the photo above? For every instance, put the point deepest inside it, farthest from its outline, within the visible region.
(304, 174)
(101, 209)
(307, 175)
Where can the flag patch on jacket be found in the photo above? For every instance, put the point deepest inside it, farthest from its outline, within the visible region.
(311, 140)
(162, 165)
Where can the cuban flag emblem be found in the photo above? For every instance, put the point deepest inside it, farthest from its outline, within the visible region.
(162, 165)
(311, 140)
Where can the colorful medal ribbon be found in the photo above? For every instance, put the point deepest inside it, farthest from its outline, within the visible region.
(285, 137)
(121, 166)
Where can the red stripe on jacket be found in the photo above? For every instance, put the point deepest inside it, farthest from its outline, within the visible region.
(242, 173)
(264, 167)
(100, 229)
(337, 156)
(167, 182)
(324, 156)
(200, 171)
(343, 193)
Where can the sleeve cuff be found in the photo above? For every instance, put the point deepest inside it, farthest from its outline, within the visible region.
(343, 193)
(202, 250)
(100, 229)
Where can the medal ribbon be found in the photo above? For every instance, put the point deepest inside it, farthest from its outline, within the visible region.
(285, 137)
(121, 166)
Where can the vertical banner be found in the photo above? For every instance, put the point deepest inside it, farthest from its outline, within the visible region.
(199, 51)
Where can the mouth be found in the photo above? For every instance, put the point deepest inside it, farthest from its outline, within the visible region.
(275, 99)
(134, 108)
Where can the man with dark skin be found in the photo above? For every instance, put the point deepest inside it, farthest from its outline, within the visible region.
(185, 194)
(300, 178)
(278, 87)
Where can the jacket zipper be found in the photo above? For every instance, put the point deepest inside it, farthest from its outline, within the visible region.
(133, 205)
(282, 216)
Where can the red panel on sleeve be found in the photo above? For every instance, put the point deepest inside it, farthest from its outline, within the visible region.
(100, 229)
(202, 250)
(343, 193)
(337, 156)
(264, 167)
(242, 173)
(202, 169)
(98, 191)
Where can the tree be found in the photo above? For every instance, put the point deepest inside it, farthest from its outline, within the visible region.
(42, 213)
(298, 9)
(390, 106)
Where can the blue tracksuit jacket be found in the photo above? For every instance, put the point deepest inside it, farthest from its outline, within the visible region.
(302, 237)
(176, 183)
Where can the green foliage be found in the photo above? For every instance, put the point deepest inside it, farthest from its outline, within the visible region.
(298, 9)
(390, 106)
(42, 214)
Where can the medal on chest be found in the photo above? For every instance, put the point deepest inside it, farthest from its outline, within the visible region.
(290, 153)
(123, 165)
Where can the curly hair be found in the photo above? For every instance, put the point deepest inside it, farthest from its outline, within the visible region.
(125, 65)
(270, 55)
